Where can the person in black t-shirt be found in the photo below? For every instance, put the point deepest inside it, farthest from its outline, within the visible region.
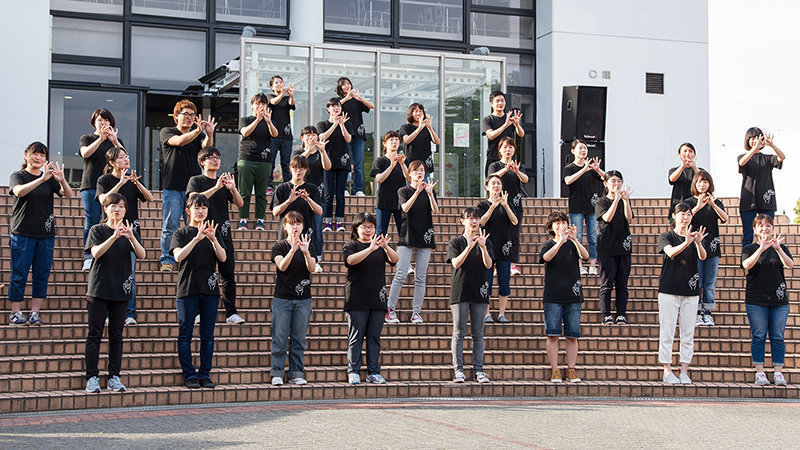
(391, 174)
(117, 180)
(93, 148)
(563, 293)
(418, 134)
(498, 125)
(758, 190)
(314, 152)
(708, 212)
(497, 219)
(582, 177)
(767, 296)
(418, 202)
(291, 302)
(254, 165)
(355, 106)
(678, 290)
(513, 175)
(680, 178)
(338, 132)
(471, 255)
(220, 191)
(281, 101)
(33, 231)
(298, 195)
(365, 256)
(197, 248)
(614, 245)
(179, 148)
(110, 288)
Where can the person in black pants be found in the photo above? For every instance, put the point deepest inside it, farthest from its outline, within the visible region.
(355, 106)
(220, 191)
(338, 132)
(365, 256)
(391, 173)
(418, 135)
(313, 151)
(758, 190)
(110, 288)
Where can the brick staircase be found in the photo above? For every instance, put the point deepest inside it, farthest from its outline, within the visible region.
(42, 368)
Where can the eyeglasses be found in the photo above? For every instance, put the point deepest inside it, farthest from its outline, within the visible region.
(366, 226)
(190, 115)
(213, 158)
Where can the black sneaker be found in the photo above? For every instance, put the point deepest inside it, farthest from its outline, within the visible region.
(621, 320)
(608, 319)
(206, 383)
(192, 384)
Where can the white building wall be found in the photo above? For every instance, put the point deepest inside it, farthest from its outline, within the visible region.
(25, 52)
(627, 38)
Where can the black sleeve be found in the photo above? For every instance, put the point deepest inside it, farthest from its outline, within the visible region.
(454, 248)
(663, 241)
(379, 165)
(322, 126)
(245, 121)
(486, 125)
(348, 249)
(192, 186)
(546, 246)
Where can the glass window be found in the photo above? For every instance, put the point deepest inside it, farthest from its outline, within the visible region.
(524, 4)
(228, 48)
(468, 84)
(192, 9)
(502, 31)
(440, 19)
(266, 12)
(90, 74)
(361, 16)
(519, 69)
(70, 110)
(166, 59)
(88, 6)
(87, 37)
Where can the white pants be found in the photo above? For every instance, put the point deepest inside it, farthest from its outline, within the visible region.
(669, 307)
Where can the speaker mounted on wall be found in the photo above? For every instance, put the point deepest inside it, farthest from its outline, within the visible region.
(583, 113)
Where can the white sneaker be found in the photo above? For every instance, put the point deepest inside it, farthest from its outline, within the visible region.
(130, 321)
(779, 379)
(592, 270)
(346, 193)
(699, 320)
(234, 319)
(459, 377)
(197, 319)
(299, 381)
(481, 377)
(670, 378)
(515, 270)
(684, 379)
(584, 270)
(761, 379)
(318, 268)
(708, 319)
(411, 271)
(87, 264)
(354, 378)
(277, 381)
(391, 317)
(416, 318)
(359, 193)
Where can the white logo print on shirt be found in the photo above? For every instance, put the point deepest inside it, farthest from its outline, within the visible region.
(594, 199)
(485, 289)
(382, 294)
(626, 244)
(265, 153)
(428, 236)
(768, 195)
(576, 288)
(693, 281)
(714, 244)
(781, 291)
(288, 129)
(517, 199)
(212, 281)
(361, 130)
(225, 227)
(429, 162)
(128, 285)
(506, 247)
(48, 224)
(302, 286)
(344, 159)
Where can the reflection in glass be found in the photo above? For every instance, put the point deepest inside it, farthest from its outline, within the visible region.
(519, 69)
(267, 12)
(165, 59)
(524, 4)
(362, 16)
(193, 9)
(502, 31)
(89, 74)
(228, 48)
(88, 6)
(87, 37)
(440, 19)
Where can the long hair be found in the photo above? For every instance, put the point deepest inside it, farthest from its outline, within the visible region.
(111, 155)
(610, 174)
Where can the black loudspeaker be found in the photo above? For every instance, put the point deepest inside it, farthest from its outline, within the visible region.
(583, 113)
(596, 150)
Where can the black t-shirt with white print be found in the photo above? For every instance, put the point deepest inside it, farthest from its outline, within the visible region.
(178, 164)
(562, 274)
(365, 288)
(281, 117)
(758, 189)
(614, 237)
(32, 214)
(197, 274)
(128, 190)
(766, 283)
(315, 173)
(337, 146)
(511, 184)
(255, 146)
(583, 192)
(499, 230)
(708, 218)
(218, 204)
(681, 188)
(282, 193)
(492, 122)
(111, 275)
(295, 282)
(679, 275)
(470, 282)
(387, 191)
(420, 148)
(417, 230)
(354, 109)
(93, 165)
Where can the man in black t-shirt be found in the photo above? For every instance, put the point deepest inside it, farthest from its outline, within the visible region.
(179, 148)
(281, 101)
(254, 164)
(498, 125)
(220, 191)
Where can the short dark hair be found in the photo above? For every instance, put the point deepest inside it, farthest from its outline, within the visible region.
(389, 135)
(576, 142)
(687, 144)
(749, 134)
(470, 212)
(111, 155)
(414, 164)
(494, 94)
(339, 84)
(410, 113)
(508, 141)
(293, 217)
(275, 77)
(114, 198)
(361, 218)
(207, 152)
(299, 161)
(185, 103)
(36, 147)
(610, 174)
(555, 216)
(680, 207)
(260, 98)
(105, 114)
(309, 129)
(489, 178)
(702, 175)
(196, 199)
(332, 101)
(762, 216)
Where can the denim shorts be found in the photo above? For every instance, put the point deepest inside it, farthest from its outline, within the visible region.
(569, 314)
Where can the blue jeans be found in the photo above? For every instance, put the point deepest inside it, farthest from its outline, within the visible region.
(320, 241)
(27, 252)
(356, 147)
(188, 308)
(384, 216)
(591, 230)
(503, 276)
(569, 314)
(763, 320)
(747, 224)
(335, 184)
(289, 320)
(708, 282)
(131, 312)
(284, 146)
(173, 207)
(91, 213)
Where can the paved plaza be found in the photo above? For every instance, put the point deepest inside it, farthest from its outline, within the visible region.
(424, 424)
